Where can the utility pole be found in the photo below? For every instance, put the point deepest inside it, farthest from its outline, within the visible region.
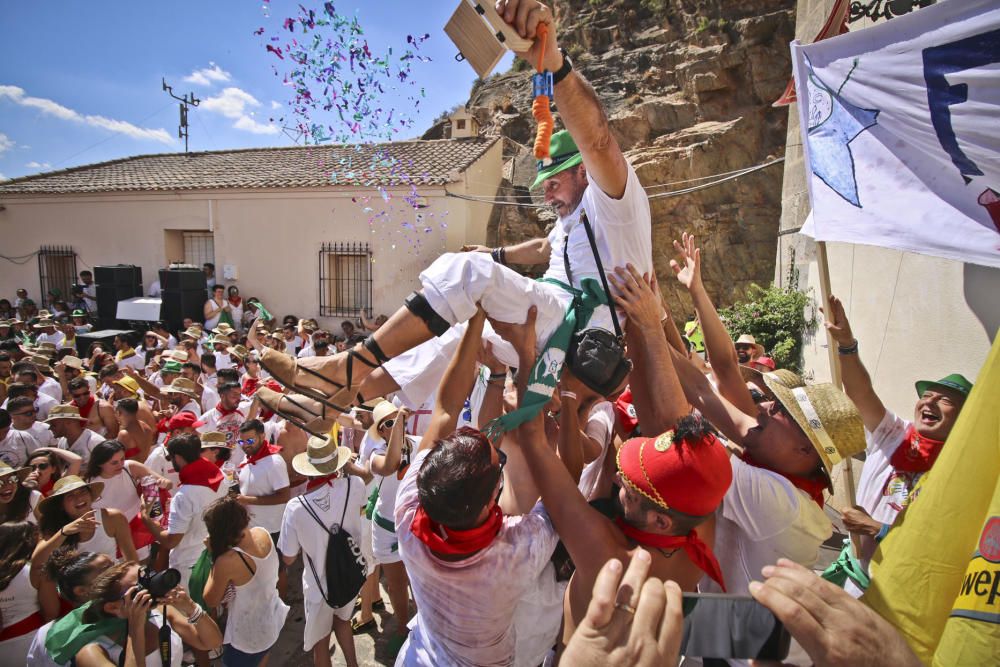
(187, 100)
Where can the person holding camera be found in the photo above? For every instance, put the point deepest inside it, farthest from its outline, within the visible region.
(126, 613)
(244, 577)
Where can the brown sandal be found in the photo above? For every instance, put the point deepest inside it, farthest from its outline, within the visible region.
(314, 421)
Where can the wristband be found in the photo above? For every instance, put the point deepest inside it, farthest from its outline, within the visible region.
(196, 614)
(499, 255)
(567, 394)
(883, 531)
(564, 70)
(850, 349)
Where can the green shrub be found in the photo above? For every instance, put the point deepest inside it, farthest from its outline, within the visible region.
(776, 317)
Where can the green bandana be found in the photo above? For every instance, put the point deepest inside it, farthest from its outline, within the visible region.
(263, 311)
(549, 364)
(71, 633)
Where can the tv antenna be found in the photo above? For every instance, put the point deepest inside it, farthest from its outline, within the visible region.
(185, 102)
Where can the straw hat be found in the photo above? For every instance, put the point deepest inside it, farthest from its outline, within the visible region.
(40, 360)
(44, 322)
(221, 339)
(747, 339)
(192, 332)
(223, 329)
(322, 457)
(826, 415)
(73, 362)
(782, 376)
(174, 355)
(68, 411)
(181, 386)
(130, 384)
(46, 348)
(6, 323)
(380, 413)
(239, 351)
(68, 484)
(211, 439)
(6, 470)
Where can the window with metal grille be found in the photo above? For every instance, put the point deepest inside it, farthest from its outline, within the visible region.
(345, 279)
(199, 248)
(57, 271)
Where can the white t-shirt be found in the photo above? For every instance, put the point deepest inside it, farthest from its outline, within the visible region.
(465, 609)
(763, 517)
(262, 479)
(57, 338)
(83, 445)
(622, 229)
(157, 462)
(228, 424)
(41, 432)
(16, 446)
(209, 398)
(52, 388)
(882, 491)
(223, 361)
(186, 509)
(600, 427)
(300, 532)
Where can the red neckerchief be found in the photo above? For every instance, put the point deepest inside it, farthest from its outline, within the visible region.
(201, 473)
(916, 453)
(699, 552)
(456, 542)
(812, 486)
(236, 300)
(316, 482)
(225, 413)
(265, 449)
(46, 488)
(85, 409)
(250, 385)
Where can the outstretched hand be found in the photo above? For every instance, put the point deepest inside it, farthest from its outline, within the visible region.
(525, 16)
(836, 323)
(636, 294)
(521, 336)
(689, 274)
(631, 620)
(834, 629)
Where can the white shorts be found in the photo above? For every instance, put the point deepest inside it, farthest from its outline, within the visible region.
(452, 285)
(385, 546)
(319, 620)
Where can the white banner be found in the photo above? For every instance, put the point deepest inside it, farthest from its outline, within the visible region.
(902, 132)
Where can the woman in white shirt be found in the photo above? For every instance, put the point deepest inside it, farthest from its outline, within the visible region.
(244, 577)
(17, 503)
(20, 613)
(215, 307)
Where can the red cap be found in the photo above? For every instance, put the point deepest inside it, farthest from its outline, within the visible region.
(182, 420)
(689, 475)
(625, 411)
(765, 361)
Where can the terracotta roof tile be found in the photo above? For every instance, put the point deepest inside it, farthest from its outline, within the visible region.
(397, 163)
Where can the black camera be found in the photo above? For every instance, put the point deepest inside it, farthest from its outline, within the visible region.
(158, 584)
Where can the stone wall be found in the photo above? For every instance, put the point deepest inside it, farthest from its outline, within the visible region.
(688, 86)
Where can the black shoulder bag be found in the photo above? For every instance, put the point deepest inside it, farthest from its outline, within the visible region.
(596, 356)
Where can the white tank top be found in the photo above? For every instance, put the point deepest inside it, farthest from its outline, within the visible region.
(101, 542)
(119, 494)
(17, 602)
(256, 613)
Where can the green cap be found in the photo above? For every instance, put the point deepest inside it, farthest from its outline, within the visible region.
(953, 381)
(79, 313)
(564, 154)
(172, 367)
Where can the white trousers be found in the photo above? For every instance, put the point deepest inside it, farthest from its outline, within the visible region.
(453, 285)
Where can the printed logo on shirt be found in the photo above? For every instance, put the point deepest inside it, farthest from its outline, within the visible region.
(898, 489)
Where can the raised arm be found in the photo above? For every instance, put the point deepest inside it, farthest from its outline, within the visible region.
(857, 381)
(579, 108)
(656, 392)
(532, 251)
(718, 344)
(730, 420)
(148, 388)
(388, 463)
(456, 383)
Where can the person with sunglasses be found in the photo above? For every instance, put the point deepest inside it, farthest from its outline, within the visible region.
(470, 565)
(99, 413)
(263, 476)
(46, 465)
(22, 417)
(388, 462)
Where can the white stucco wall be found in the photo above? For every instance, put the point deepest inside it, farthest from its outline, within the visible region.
(273, 237)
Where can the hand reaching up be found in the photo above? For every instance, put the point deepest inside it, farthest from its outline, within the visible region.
(689, 274)
(836, 323)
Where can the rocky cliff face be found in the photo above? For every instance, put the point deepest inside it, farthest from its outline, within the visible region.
(688, 86)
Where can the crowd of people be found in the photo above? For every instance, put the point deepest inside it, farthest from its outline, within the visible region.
(536, 471)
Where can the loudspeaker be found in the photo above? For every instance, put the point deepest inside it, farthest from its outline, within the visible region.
(118, 274)
(182, 279)
(104, 336)
(108, 297)
(178, 304)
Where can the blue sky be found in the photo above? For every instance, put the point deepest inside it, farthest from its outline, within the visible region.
(80, 81)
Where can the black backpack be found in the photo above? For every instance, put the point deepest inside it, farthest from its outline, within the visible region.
(346, 568)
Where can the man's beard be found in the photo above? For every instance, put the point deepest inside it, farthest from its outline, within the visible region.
(743, 357)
